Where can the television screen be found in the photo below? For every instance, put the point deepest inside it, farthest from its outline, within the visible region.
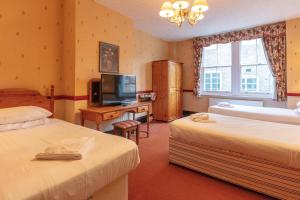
(118, 89)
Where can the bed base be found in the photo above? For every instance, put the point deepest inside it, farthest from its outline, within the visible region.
(253, 173)
(117, 190)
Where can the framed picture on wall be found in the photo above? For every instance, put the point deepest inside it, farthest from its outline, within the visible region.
(109, 58)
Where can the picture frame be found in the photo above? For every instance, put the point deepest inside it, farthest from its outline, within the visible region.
(109, 58)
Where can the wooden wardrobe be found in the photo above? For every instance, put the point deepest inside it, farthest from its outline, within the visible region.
(167, 84)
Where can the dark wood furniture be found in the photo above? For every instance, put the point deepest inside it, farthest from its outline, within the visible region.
(127, 128)
(24, 97)
(105, 113)
(167, 84)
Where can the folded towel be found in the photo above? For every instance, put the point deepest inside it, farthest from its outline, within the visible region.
(71, 149)
(225, 105)
(201, 118)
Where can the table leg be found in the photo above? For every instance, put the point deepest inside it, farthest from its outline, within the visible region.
(148, 123)
(82, 119)
(137, 134)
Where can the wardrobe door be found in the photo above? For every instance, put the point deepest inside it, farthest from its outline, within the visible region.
(160, 87)
(179, 90)
(172, 91)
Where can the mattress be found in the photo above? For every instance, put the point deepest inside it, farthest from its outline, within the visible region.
(280, 115)
(22, 177)
(274, 142)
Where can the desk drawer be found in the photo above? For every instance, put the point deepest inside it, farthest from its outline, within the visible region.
(142, 109)
(111, 115)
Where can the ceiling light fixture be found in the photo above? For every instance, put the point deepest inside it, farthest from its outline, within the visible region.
(177, 11)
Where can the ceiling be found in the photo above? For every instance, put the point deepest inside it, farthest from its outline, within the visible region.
(222, 16)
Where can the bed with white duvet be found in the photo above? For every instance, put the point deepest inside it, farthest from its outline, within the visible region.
(22, 176)
(259, 155)
(279, 115)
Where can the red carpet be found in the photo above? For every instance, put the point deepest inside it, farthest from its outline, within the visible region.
(156, 179)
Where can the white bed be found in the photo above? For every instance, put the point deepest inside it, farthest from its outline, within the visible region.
(279, 115)
(22, 177)
(100, 174)
(263, 156)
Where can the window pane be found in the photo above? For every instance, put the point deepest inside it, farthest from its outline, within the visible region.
(217, 79)
(252, 52)
(224, 54)
(210, 55)
(265, 79)
(248, 54)
(217, 55)
(261, 57)
(259, 80)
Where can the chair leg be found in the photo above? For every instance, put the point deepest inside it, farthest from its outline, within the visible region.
(137, 134)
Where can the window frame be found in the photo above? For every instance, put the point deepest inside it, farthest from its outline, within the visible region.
(236, 81)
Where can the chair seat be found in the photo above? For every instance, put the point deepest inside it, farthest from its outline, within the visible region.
(126, 124)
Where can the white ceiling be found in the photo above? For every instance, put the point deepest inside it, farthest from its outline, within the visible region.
(222, 16)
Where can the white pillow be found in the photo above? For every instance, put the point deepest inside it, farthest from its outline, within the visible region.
(22, 114)
(22, 125)
(225, 104)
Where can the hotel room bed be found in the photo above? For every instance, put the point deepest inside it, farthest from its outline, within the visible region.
(100, 174)
(263, 156)
(280, 115)
(22, 177)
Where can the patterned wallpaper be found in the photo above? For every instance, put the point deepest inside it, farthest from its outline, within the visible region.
(293, 55)
(56, 42)
(31, 39)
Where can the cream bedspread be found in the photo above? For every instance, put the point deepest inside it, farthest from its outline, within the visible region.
(21, 177)
(280, 115)
(271, 141)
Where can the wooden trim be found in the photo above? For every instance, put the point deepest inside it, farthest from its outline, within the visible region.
(187, 90)
(168, 61)
(85, 97)
(293, 94)
(145, 91)
(72, 98)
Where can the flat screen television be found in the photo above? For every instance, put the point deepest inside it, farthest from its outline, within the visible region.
(118, 89)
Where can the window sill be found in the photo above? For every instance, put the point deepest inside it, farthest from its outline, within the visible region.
(237, 97)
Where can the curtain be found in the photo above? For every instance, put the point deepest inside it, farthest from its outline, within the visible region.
(273, 35)
(275, 47)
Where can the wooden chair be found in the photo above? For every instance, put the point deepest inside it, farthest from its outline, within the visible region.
(127, 128)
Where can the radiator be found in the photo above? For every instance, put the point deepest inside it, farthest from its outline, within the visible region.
(215, 101)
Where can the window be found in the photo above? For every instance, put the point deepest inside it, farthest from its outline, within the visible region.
(237, 69)
(212, 81)
(217, 68)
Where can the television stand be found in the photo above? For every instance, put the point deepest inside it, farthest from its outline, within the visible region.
(106, 113)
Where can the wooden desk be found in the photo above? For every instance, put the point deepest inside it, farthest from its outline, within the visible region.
(105, 113)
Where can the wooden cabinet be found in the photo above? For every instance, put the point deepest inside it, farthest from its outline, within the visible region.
(167, 84)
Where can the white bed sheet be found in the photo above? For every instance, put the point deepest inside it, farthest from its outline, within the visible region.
(21, 177)
(267, 140)
(279, 115)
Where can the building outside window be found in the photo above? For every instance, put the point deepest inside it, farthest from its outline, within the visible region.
(236, 69)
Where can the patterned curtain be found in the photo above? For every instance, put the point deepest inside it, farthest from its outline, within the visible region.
(275, 47)
(268, 33)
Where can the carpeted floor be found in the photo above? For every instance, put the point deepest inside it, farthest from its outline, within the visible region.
(156, 179)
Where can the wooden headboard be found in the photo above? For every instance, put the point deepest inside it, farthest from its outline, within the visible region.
(24, 97)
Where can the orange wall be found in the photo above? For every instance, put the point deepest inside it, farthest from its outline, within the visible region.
(145, 50)
(95, 23)
(31, 45)
(56, 42)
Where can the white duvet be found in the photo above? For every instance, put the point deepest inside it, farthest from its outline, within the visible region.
(22, 177)
(267, 140)
(280, 115)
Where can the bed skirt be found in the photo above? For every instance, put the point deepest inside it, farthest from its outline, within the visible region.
(117, 190)
(253, 173)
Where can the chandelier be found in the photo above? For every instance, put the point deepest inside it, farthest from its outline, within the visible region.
(177, 11)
